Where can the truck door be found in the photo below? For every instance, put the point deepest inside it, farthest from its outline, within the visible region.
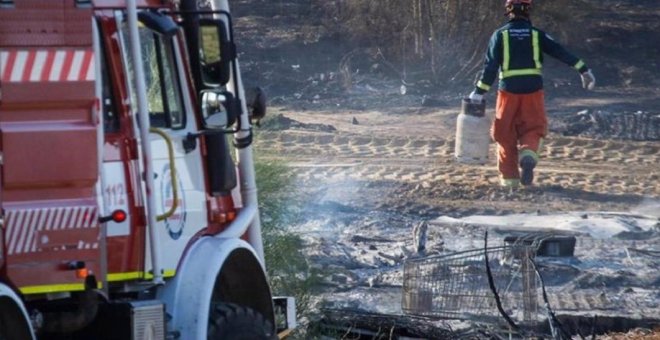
(172, 118)
(180, 199)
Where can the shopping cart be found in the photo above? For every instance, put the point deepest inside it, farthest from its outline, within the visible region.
(456, 286)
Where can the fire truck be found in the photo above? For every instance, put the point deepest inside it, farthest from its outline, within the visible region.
(127, 186)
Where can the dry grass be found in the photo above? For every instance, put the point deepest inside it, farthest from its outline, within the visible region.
(446, 37)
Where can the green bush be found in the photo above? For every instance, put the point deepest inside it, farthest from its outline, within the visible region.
(289, 271)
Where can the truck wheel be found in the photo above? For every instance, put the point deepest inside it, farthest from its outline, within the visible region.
(12, 323)
(233, 322)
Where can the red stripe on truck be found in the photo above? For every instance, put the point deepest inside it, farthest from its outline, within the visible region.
(11, 59)
(29, 64)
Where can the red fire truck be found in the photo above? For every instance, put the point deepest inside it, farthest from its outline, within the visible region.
(127, 183)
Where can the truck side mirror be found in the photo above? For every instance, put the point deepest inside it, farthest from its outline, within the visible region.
(216, 52)
(218, 109)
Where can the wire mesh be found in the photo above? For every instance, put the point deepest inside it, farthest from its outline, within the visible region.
(456, 286)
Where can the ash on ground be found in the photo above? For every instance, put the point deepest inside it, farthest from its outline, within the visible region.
(637, 126)
(280, 122)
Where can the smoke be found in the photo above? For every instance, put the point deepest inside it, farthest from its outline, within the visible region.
(648, 207)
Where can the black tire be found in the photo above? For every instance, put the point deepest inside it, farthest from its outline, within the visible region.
(13, 325)
(229, 321)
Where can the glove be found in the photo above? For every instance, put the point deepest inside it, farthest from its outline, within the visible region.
(476, 98)
(588, 80)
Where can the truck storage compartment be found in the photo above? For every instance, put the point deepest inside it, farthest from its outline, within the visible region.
(38, 155)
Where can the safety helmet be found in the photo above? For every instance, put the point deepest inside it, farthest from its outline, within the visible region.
(518, 8)
(518, 2)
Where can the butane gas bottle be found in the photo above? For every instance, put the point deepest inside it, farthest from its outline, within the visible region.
(472, 133)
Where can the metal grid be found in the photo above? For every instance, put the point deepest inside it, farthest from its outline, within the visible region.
(456, 286)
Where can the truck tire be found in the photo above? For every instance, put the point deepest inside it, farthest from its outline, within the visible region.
(13, 325)
(229, 321)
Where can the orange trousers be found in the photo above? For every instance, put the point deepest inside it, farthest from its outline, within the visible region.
(519, 128)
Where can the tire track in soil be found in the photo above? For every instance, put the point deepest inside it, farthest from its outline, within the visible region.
(592, 171)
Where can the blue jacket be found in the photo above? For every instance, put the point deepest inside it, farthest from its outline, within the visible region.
(516, 51)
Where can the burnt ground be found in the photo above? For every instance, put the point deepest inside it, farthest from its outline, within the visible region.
(373, 159)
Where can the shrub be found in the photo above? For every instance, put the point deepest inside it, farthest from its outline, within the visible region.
(289, 272)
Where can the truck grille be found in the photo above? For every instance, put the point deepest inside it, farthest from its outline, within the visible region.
(148, 320)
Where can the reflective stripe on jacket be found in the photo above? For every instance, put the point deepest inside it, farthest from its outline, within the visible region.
(515, 52)
(506, 69)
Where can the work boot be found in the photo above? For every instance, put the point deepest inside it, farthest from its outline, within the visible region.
(510, 183)
(527, 164)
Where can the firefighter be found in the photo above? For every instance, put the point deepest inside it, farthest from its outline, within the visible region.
(516, 50)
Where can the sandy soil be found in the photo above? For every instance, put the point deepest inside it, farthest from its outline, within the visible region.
(414, 154)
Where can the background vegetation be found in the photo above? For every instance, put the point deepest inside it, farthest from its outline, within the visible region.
(289, 271)
(447, 38)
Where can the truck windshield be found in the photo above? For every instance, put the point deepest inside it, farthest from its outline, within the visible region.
(163, 90)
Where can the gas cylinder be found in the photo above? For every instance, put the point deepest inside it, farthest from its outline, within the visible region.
(472, 133)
